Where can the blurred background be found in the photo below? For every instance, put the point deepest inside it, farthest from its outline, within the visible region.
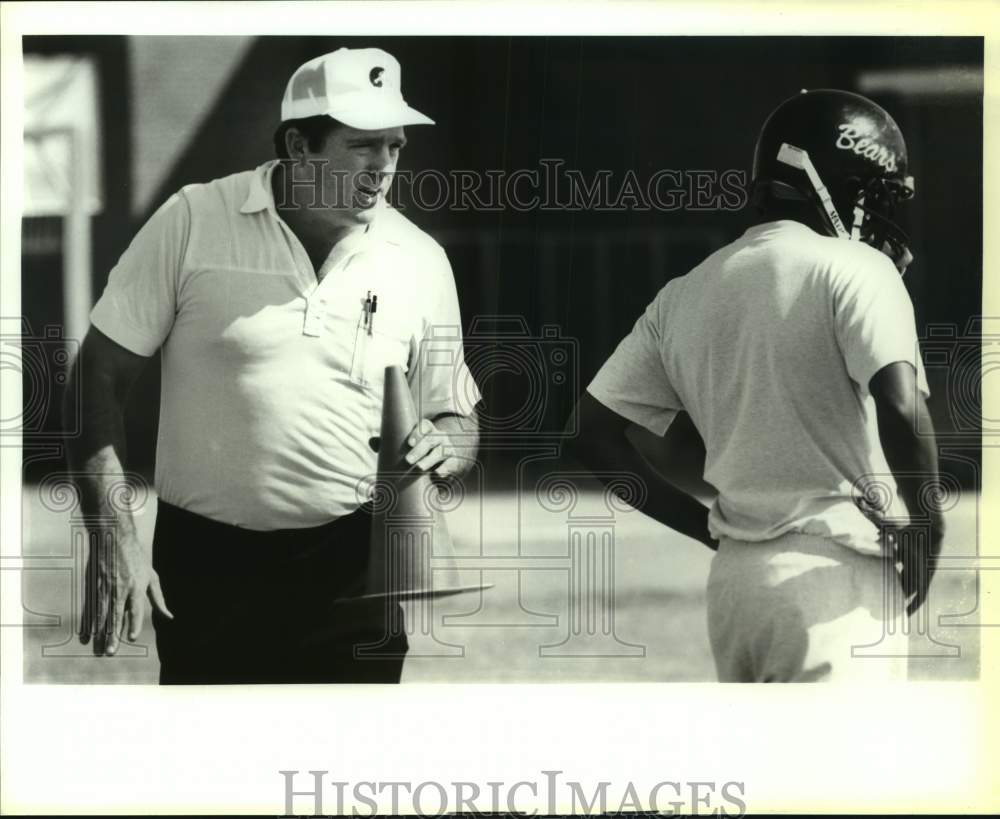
(114, 125)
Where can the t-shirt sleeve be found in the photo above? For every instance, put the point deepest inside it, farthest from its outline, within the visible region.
(139, 302)
(874, 323)
(633, 382)
(440, 379)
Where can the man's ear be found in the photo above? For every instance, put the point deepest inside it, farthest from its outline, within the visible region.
(295, 143)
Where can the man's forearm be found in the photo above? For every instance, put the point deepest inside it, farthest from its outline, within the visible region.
(912, 457)
(98, 480)
(96, 458)
(661, 501)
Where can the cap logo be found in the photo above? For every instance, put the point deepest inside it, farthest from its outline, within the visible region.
(851, 139)
(375, 76)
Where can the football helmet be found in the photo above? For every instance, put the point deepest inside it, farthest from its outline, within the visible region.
(845, 155)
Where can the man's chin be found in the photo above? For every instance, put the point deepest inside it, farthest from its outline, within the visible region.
(363, 215)
(351, 216)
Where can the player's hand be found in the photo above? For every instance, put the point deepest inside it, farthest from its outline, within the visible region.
(917, 552)
(119, 578)
(432, 450)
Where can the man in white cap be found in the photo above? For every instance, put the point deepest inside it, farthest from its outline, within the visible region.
(277, 298)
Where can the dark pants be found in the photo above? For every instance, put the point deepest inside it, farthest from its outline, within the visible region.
(267, 607)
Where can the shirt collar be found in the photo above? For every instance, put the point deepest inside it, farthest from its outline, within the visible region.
(259, 196)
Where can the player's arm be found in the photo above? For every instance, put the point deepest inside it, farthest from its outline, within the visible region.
(119, 570)
(601, 446)
(905, 431)
(876, 330)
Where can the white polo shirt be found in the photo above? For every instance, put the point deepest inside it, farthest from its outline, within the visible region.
(271, 384)
(769, 345)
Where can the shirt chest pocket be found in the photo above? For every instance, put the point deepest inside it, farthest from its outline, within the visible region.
(375, 348)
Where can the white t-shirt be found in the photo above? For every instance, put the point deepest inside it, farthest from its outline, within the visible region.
(271, 384)
(769, 345)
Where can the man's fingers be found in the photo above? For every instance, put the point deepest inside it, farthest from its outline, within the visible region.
(423, 436)
(114, 606)
(916, 575)
(448, 468)
(428, 454)
(419, 450)
(116, 621)
(919, 596)
(123, 624)
(156, 597)
(113, 622)
(109, 638)
(422, 443)
(103, 615)
(432, 459)
(87, 615)
(135, 614)
(419, 430)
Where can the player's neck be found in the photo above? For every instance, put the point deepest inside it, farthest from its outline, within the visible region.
(801, 212)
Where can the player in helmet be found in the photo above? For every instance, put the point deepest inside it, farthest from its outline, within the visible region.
(794, 351)
(844, 156)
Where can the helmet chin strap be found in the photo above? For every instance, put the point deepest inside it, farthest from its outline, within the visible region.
(858, 218)
(797, 158)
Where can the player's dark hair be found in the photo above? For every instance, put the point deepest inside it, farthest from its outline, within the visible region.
(314, 129)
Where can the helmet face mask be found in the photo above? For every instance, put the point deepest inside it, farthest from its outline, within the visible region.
(876, 202)
(843, 154)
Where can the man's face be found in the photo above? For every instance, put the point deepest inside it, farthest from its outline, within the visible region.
(356, 169)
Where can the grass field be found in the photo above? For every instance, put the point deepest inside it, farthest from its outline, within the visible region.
(648, 618)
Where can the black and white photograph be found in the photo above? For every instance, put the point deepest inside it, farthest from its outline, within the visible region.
(348, 360)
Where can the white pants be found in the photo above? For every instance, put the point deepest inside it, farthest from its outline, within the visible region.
(802, 608)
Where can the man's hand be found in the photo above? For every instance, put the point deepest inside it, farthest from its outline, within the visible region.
(119, 577)
(917, 551)
(433, 450)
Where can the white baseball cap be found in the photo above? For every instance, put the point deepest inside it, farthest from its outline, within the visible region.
(359, 87)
